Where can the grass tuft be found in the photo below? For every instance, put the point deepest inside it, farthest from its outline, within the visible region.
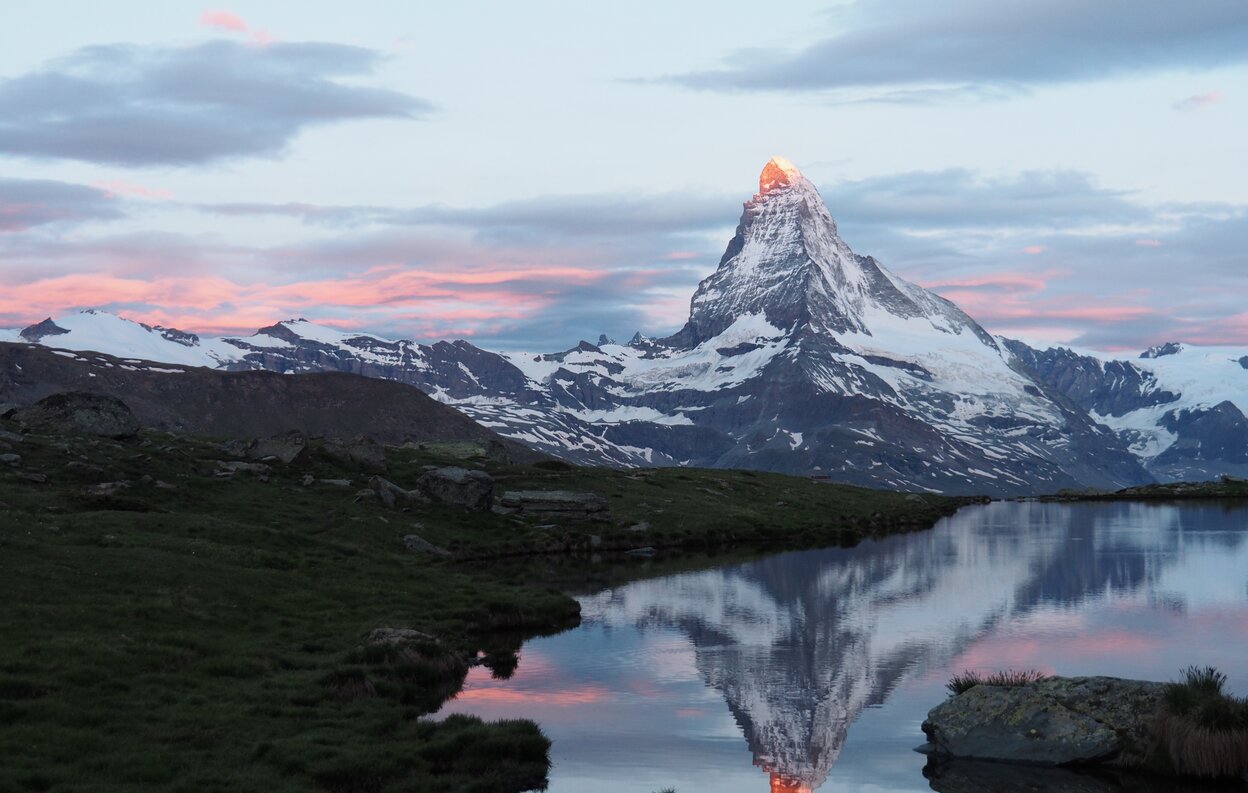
(1008, 678)
(1201, 731)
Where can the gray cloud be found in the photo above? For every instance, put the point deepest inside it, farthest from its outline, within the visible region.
(963, 199)
(26, 203)
(980, 46)
(607, 214)
(147, 105)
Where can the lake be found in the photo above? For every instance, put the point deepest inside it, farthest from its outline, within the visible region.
(812, 670)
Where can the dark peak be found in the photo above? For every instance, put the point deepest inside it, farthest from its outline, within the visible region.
(1169, 348)
(604, 339)
(560, 357)
(281, 331)
(178, 336)
(41, 330)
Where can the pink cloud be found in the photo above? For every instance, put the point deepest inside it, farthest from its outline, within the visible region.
(116, 187)
(1035, 250)
(1149, 243)
(1198, 101)
(225, 20)
(439, 304)
(999, 282)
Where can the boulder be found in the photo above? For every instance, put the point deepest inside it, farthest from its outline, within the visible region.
(459, 487)
(391, 494)
(81, 413)
(231, 467)
(360, 450)
(564, 504)
(1058, 721)
(285, 448)
(414, 542)
(106, 488)
(10, 459)
(11, 437)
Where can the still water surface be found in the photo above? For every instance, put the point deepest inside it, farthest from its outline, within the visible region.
(812, 670)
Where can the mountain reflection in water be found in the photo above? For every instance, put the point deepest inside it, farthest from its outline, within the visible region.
(802, 645)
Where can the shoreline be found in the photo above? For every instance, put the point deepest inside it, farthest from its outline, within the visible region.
(186, 616)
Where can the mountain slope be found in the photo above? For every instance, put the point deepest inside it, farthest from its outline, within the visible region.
(1179, 408)
(242, 404)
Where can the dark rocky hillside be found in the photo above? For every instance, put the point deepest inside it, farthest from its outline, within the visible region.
(201, 401)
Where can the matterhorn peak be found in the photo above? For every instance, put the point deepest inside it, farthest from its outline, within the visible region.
(777, 173)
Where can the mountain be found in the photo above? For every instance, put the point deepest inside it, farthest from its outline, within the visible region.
(799, 356)
(249, 404)
(1179, 408)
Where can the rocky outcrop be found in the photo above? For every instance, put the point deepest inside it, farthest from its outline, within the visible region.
(41, 330)
(556, 504)
(285, 448)
(360, 450)
(452, 486)
(390, 494)
(77, 412)
(458, 487)
(1055, 722)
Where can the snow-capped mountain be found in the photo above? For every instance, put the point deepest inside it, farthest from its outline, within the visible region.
(1180, 409)
(799, 356)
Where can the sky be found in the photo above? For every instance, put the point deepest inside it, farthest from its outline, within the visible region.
(526, 175)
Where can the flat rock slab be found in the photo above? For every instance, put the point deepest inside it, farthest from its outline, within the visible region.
(556, 504)
(1060, 721)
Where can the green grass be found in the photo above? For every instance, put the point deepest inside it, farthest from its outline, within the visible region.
(209, 635)
(1008, 678)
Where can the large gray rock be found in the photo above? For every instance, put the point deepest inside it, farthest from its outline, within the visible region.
(556, 504)
(392, 495)
(360, 450)
(286, 447)
(81, 412)
(459, 487)
(1059, 721)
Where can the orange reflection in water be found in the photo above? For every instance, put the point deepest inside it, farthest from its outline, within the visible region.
(784, 784)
